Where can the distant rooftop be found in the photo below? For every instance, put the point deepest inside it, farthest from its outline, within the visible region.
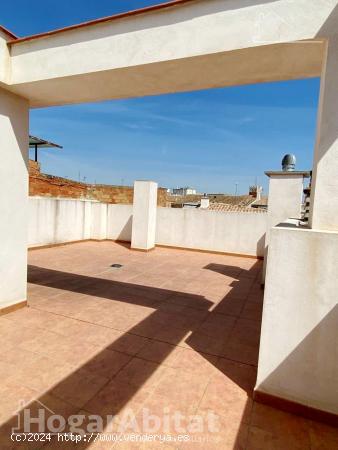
(37, 143)
(41, 143)
(226, 207)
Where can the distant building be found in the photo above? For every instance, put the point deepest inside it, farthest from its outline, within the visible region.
(256, 192)
(184, 191)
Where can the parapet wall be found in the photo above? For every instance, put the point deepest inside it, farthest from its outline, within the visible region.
(56, 220)
(231, 232)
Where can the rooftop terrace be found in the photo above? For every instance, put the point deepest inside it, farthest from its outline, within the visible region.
(171, 330)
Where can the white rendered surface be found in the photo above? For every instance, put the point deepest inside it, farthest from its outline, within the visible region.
(284, 202)
(144, 215)
(199, 45)
(230, 232)
(13, 198)
(324, 193)
(299, 340)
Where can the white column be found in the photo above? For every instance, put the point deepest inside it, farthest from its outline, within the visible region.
(284, 202)
(324, 192)
(14, 113)
(144, 215)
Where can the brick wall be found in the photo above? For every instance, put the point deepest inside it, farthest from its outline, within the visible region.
(41, 184)
(34, 168)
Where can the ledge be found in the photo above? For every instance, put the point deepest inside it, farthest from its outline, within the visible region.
(282, 173)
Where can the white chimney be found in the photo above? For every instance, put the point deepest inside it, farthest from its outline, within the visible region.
(204, 202)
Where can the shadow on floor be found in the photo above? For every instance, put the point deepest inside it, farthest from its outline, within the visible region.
(212, 333)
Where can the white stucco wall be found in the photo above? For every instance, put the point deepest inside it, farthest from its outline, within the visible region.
(53, 221)
(119, 222)
(56, 220)
(299, 340)
(284, 202)
(98, 224)
(231, 232)
(324, 195)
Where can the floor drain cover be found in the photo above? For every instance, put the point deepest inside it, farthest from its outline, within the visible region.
(116, 266)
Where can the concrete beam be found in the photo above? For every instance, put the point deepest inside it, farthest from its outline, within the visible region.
(224, 42)
(239, 67)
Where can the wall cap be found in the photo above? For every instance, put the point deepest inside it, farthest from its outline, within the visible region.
(295, 173)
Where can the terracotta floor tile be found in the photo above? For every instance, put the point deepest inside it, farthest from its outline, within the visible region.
(161, 406)
(229, 306)
(323, 437)
(14, 397)
(217, 326)
(141, 374)
(173, 336)
(100, 336)
(233, 405)
(159, 352)
(241, 375)
(195, 362)
(280, 427)
(205, 344)
(148, 328)
(107, 363)
(261, 439)
(128, 343)
(117, 396)
(236, 351)
(252, 311)
(79, 387)
(177, 311)
(42, 373)
(184, 398)
(218, 433)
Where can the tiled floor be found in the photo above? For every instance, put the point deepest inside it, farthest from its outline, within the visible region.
(171, 332)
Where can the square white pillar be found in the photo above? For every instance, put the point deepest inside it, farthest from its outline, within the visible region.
(324, 191)
(144, 215)
(284, 202)
(14, 117)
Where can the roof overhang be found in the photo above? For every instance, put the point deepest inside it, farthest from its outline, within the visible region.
(178, 46)
(41, 143)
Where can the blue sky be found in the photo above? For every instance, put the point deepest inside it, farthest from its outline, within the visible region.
(207, 139)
